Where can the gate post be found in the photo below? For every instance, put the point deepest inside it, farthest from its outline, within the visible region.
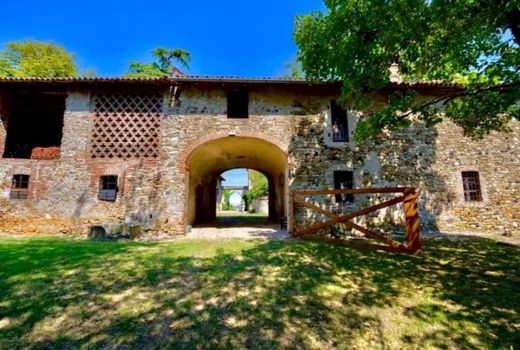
(413, 235)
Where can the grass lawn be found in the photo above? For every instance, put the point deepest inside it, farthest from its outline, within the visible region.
(59, 294)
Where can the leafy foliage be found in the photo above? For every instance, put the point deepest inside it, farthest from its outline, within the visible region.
(31, 58)
(259, 185)
(474, 43)
(163, 64)
(293, 69)
(226, 199)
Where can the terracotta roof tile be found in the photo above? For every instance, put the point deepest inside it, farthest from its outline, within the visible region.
(213, 79)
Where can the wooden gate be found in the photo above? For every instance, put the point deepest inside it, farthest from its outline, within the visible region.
(405, 195)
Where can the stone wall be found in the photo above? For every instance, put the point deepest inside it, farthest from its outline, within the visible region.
(496, 159)
(63, 192)
(3, 127)
(155, 193)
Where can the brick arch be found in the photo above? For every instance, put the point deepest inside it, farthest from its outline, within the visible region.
(185, 155)
(205, 159)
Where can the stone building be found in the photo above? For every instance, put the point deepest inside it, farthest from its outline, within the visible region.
(82, 151)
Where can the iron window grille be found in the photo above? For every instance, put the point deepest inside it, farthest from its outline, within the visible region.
(339, 121)
(471, 186)
(344, 180)
(238, 104)
(108, 188)
(20, 186)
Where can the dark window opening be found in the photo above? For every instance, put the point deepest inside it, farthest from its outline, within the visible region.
(34, 123)
(471, 186)
(339, 123)
(344, 180)
(238, 104)
(20, 186)
(108, 188)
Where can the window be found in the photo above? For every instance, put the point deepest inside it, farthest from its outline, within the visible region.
(343, 180)
(34, 123)
(237, 104)
(108, 188)
(471, 186)
(339, 123)
(20, 186)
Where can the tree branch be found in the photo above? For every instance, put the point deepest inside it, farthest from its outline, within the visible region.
(445, 99)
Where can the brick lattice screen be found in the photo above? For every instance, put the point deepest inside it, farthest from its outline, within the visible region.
(126, 125)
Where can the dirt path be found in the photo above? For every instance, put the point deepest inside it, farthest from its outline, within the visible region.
(243, 232)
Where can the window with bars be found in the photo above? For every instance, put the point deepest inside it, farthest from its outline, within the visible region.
(339, 121)
(20, 186)
(344, 180)
(108, 188)
(471, 186)
(238, 104)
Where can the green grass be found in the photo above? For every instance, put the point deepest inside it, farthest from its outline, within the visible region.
(59, 294)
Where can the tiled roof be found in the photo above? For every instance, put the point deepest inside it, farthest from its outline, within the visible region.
(223, 78)
(178, 78)
(212, 79)
(81, 79)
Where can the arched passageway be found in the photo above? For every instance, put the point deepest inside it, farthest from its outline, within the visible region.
(207, 161)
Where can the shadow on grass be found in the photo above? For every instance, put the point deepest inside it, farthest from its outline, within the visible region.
(276, 294)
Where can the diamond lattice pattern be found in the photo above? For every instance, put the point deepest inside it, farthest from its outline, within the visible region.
(126, 125)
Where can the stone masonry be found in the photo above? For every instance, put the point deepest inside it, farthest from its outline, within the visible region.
(290, 120)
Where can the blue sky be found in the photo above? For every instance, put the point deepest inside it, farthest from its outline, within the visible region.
(227, 37)
(235, 177)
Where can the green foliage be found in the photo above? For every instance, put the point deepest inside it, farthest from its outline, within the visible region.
(31, 58)
(163, 64)
(259, 185)
(226, 196)
(89, 72)
(293, 69)
(475, 43)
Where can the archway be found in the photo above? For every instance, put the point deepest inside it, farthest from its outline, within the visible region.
(208, 160)
(231, 196)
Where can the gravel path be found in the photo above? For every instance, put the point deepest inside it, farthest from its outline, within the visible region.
(242, 232)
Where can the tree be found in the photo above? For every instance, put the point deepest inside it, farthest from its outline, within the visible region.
(31, 58)
(258, 183)
(163, 64)
(259, 187)
(473, 43)
(226, 199)
(293, 70)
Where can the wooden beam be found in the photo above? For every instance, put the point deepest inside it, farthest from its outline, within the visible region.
(376, 236)
(409, 199)
(315, 208)
(349, 216)
(411, 213)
